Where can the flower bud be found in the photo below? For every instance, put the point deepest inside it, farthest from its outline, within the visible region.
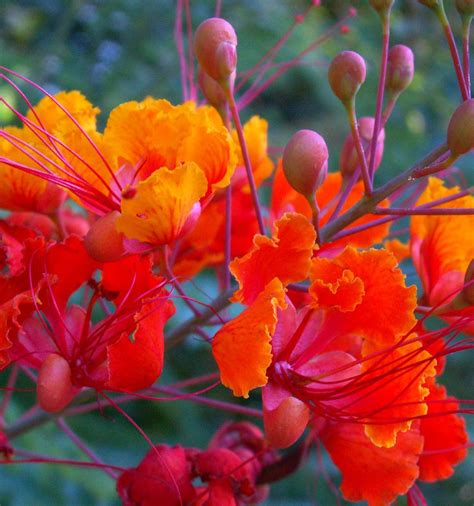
(400, 70)
(212, 90)
(54, 389)
(285, 424)
(103, 242)
(305, 161)
(349, 158)
(461, 129)
(215, 44)
(346, 74)
(465, 7)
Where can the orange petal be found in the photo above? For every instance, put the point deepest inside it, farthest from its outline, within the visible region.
(242, 346)
(433, 237)
(155, 134)
(372, 474)
(385, 312)
(55, 120)
(158, 211)
(286, 255)
(445, 436)
(398, 248)
(395, 389)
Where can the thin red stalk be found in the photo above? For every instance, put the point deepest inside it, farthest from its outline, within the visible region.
(218, 8)
(83, 447)
(246, 157)
(423, 212)
(454, 51)
(255, 90)
(466, 25)
(83, 183)
(189, 29)
(70, 116)
(366, 226)
(177, 285)
(43, 459)
(385, 18)
(352, 117)
(346, 190)
(148, 440)
(266, 60)
(228, 237)
(213, 403)
(195, 381)
(178, 38)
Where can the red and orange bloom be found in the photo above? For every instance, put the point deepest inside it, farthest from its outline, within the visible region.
(349, 362)
(148, 150)
(124, 351)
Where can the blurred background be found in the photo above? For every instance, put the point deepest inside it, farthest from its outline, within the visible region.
(119, 50)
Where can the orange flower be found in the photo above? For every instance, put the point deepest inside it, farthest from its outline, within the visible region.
(442, 246)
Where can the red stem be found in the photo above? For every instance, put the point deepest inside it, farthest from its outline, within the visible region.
(246, 157)
(380, 91)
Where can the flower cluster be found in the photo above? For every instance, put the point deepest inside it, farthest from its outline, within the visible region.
(103, 228)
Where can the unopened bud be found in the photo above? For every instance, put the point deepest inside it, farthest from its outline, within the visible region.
(285, 424)
(346, 74)
(349, 157)
(305, 161)
(461, 129)
(54, 388)
(400, 70)
(465, 7)
(104, 242)
(381, 5)
(468, 291)
(212, 90)
(215, 44)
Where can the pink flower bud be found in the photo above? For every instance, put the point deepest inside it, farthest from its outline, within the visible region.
(400, 70)
(211, 89)
(54, 389)
(346, 74)
(465, 7)
(461, 129)
(103, 242)
(215, 44)
(349, 158)
(381, 5)
(305, 161)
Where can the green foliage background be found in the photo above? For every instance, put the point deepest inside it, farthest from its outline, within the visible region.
(118, 50)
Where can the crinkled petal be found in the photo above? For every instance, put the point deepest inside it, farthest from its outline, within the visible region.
(369, 473)
(287, 256)
(386, 310)
(242, 347)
